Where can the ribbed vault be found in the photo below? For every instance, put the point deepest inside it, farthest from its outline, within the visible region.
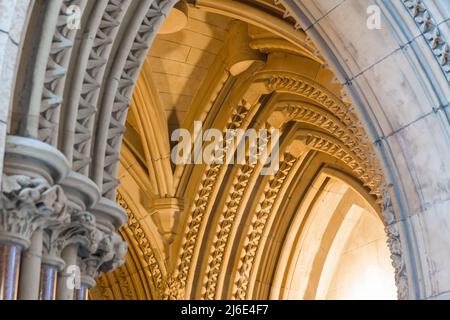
(227, 232)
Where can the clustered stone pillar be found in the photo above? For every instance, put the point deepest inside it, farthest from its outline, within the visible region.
(56, 233)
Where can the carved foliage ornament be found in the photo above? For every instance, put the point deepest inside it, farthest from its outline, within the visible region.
(110, 255)
(395, 247)
(432, 33)
(80, 230)
(28, 204)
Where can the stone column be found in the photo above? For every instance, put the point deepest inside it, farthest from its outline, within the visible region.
(109, 256)
(80, 237)
(9, 270)
(28, 205)
(30, 201)
(31, 268)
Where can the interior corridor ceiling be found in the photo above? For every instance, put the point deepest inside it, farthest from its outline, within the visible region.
(226, 232)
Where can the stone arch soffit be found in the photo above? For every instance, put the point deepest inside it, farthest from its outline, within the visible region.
(284, 271)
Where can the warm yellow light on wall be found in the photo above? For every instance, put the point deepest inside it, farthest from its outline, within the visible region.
(177, 19)
(375, 284)
(240, 55)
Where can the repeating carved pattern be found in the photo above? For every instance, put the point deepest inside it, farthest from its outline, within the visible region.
(144, 243)
(103, 288)
(93, 77)
(226, 221)
(203, 197)
(57, 66)
(223, 231)
(395, 247)
(80, 229)
(135, 59)
(432, 33)
(361, 169)
(307, 88)
(172, 289)
(126, 288)
(257, 226)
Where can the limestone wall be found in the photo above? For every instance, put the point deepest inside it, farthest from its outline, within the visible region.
(398, 76)
(13, 16)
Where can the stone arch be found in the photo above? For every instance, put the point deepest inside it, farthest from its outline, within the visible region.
(394, 114)
(82, 110)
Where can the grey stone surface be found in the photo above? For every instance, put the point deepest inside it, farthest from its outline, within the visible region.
(13, 15)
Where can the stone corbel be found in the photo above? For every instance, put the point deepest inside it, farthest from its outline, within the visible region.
(165, 214)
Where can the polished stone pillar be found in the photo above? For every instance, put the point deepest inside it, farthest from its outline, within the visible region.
(67, 278)
(9, 270)
(30, 270)
(30, 201)
(82, 294)
(80, 236)
(48, 282)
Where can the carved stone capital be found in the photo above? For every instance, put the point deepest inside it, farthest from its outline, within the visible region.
(28, 204)
(80, 230)
(110, 255)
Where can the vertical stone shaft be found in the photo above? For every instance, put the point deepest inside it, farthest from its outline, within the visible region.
(48, 282)
(66, 283)
(9, 270)
(30, 270)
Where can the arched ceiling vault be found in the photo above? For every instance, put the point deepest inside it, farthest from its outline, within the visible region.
(220, 231)
(195, 231)
(219, 226)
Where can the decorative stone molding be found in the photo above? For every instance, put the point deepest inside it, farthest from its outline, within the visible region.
(362, 168)
(394, 244)
(172, 289)
(432, 33)
(203, 197)
(110, 255)
(124, 89)
(225, 224)
(92, 78)
(144, 244)
(258, 222)
(81, 230)
(28, 204)
(56, 72)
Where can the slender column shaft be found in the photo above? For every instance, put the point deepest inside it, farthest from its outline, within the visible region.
(66, 281)
(9, 270)
(30, 272)
(48, 282)
(82, 293)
